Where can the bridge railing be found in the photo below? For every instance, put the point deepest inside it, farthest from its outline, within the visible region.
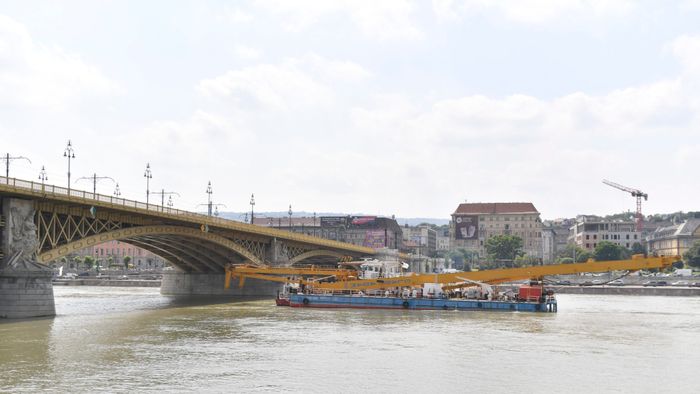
(53, 190)
(63, 192)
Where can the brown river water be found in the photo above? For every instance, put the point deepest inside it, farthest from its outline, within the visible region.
(135, 340)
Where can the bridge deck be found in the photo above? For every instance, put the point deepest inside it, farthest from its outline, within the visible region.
(39, 191)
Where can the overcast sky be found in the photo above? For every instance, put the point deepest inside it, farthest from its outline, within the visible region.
(381, 107)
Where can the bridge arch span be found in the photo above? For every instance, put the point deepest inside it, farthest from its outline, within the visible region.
(141, 235)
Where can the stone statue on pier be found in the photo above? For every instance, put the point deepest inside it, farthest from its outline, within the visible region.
(21, 240)
(25, 284)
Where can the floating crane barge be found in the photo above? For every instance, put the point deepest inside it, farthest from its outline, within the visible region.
(343, 288)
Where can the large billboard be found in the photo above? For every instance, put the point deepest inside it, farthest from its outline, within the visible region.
(334, 221)
(374, 239)
(363, 221)
(467, 227)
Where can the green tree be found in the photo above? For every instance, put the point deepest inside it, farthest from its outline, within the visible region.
(573, 251)
(457, 259)
(470, 256)
(126, 261)
(89, 261)
(504, 247)
(609, 251)
(638, 248)
(692, 256)
(78, 260)
(525, 261)
(584, 256)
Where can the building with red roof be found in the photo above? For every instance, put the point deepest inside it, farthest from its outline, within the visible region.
(474, 223)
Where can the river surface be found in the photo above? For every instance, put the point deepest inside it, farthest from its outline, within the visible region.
(135, 340)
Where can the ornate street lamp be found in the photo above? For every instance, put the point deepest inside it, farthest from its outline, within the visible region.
(148, 175)
(252, 204)
(70, 154)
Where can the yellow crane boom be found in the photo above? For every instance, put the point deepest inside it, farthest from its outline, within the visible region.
(350, 282)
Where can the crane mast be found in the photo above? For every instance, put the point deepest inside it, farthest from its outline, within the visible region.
(638, 194)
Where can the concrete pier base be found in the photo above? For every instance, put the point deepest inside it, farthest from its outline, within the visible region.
(25, 294)
(25, 285)
(176, 283)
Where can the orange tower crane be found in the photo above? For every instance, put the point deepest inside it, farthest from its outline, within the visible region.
(635, 193)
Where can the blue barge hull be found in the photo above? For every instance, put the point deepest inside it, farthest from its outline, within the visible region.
(368, 302)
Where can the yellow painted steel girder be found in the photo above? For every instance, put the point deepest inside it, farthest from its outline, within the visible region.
(282, 274)
(636, 263)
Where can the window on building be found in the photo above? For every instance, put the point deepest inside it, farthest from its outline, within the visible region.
(595, 236)
(635, 236)
(628, 236)
(588, 246)
(588, 236)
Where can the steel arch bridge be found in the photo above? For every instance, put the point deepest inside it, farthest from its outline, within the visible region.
(70, 220)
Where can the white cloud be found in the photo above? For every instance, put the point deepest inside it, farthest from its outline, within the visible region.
(36, 75)
(236, 15)
(687, 50)
(293, 84)
(390, 154)
(246, 53)
(382, 20)
(534, 12)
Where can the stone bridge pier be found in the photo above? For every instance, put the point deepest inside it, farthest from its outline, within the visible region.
(25, 285)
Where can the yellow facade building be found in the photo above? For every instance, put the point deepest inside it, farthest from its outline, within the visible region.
(674, 240)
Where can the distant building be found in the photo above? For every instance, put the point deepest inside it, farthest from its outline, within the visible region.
(555, 237)
(442, 240)
(474, 223)
(370, 231)
(674, 240)
(423, 240)
(548, 245)
(114, 252)
(588, 231)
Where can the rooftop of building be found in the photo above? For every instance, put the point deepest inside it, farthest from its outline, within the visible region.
(687, 228)
(493, 208)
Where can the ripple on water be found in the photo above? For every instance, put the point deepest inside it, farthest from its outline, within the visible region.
(135, 340)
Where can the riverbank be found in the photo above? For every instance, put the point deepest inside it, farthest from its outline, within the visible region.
(629, 290)
(107, 282)
(602, 290)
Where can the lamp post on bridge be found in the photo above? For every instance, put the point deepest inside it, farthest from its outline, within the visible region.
(252, 204)
(162, 193)
(209, 192)
(117, 192)
(95, 179)
(42, 177)
(290, 217)
(8, 159)
(148, 175)
(170, 201)
(70, 154)
(314, 224)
